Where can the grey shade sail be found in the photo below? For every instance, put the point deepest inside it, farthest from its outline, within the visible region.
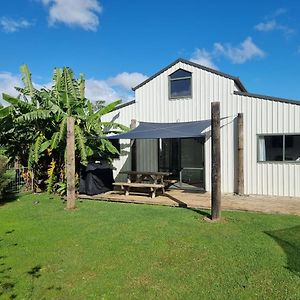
(147, 130)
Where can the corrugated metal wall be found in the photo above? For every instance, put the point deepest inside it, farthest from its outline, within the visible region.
(269, 117)
(261, 116)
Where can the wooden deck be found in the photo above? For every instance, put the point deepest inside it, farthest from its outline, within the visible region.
(182, 198)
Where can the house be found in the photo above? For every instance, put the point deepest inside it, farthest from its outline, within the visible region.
(183, 92)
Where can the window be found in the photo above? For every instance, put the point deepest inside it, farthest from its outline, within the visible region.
(279, 148)
(292, 148)
(180, 84)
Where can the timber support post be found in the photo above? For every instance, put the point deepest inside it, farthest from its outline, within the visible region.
(240, 144)
(133, 148)
(215, 162)
(71, 195)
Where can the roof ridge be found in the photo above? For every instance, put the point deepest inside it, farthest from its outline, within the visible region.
(234, 78)
(124, 104)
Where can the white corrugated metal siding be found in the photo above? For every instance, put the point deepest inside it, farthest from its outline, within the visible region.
(269, 117)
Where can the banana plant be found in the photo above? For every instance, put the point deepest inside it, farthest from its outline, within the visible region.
(35, 123)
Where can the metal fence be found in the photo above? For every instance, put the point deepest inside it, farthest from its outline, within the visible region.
(23, 180)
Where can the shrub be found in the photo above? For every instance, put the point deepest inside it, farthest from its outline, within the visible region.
(6, 176)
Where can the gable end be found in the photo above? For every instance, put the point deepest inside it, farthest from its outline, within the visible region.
(235, 79)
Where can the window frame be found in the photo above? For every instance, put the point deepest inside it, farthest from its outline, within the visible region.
(181, 78)
(283, 161)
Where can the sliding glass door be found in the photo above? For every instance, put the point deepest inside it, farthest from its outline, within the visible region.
(184, 158)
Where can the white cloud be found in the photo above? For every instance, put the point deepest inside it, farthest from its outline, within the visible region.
(272, 24)
(278, 12)
(245, 51)
(286, 30)
(114, 88)
(10, 25)
(266, 26)
(80, 13)
(204, 58)
(239, 54)
(127, 80)
(101, 90)
(7, 84)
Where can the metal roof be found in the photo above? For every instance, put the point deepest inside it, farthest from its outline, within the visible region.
(124, 105)
(283, 100)
(235, 79)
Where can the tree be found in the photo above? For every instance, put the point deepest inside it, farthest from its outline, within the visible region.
(6, 176)
(98, 104)
(34, 125)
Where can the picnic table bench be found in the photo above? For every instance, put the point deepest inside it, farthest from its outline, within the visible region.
(152, 181)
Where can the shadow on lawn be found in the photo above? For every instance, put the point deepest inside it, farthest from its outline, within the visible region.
(7, 283)
(289, 240)
(8, 198)
(200, 212)
(184, 205)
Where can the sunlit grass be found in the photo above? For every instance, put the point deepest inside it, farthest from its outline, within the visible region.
(107, 250)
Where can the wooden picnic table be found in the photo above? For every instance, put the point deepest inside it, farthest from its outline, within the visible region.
(141, 176)
(152, 181)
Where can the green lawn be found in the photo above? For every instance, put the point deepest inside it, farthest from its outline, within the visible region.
(126, 251)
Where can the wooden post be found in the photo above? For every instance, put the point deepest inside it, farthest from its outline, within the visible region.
(71, 196)
(133, 148)
(240, 173)
(215, 162)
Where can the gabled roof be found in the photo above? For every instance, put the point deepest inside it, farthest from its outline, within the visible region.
(235, 79)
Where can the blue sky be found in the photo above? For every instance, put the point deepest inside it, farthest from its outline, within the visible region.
(118, 43)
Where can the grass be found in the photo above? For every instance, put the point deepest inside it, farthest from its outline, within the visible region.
(108, 250)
